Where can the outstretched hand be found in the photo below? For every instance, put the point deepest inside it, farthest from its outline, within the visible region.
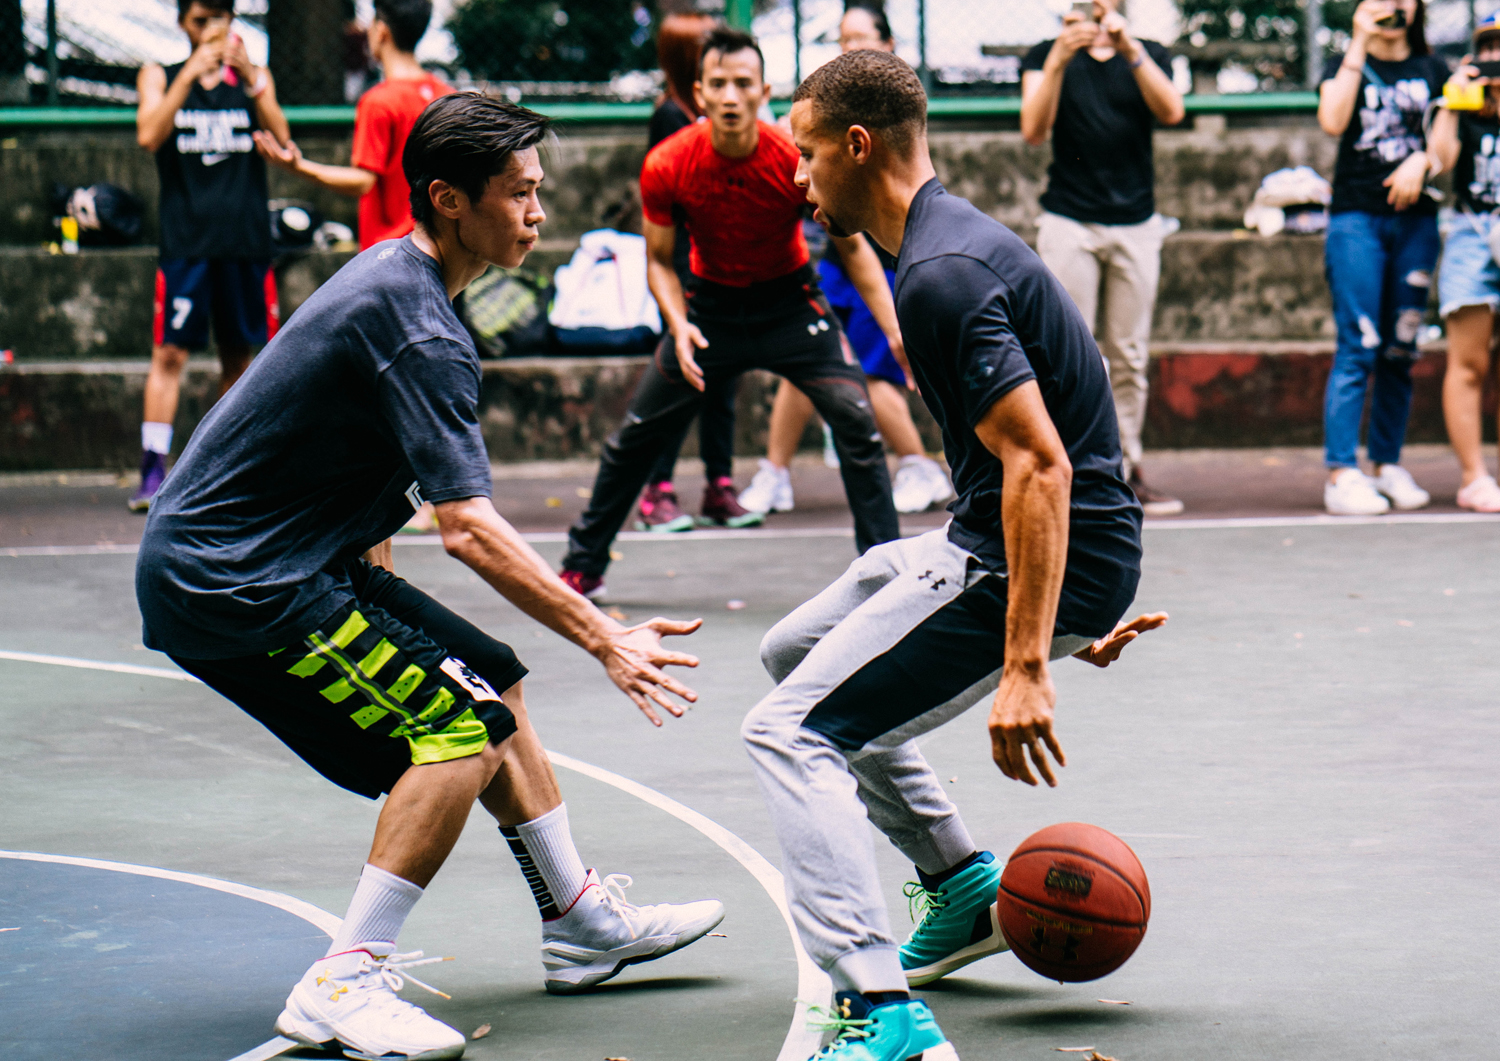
(288, 157)
(1021, 725)
(1108, 648)
(634, 659)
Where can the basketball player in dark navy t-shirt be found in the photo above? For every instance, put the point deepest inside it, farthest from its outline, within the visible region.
(198, 118)
(1040, 561)
(755, 304)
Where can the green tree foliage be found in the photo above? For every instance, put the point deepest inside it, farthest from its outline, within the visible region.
(548, 40)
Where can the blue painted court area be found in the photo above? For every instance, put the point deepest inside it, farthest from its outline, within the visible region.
(102, 964)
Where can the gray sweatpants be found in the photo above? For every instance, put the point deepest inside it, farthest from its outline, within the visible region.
(909, 637)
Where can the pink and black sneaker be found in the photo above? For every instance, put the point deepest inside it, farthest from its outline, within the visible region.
(722, 508)
(659, 512)
(590, 587)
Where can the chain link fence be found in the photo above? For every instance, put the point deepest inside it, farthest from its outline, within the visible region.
(87, 52)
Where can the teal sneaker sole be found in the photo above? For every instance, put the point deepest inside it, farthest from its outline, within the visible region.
(994, 943)
(682, 523)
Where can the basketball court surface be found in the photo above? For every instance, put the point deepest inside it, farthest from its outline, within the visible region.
(1303, 759)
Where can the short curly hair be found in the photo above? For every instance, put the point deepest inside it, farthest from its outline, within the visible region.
(870, 88)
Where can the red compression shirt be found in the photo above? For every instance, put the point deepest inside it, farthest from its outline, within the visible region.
(744, 214)
(382, 122)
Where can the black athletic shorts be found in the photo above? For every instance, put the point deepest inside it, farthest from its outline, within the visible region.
(394, 679)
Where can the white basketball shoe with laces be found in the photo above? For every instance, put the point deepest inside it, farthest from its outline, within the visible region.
(601, 933)
(351, 997)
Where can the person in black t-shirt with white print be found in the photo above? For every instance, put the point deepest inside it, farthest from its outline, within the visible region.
(198, 118)
(1381, 246)
(1100, 92)
(1469, 278)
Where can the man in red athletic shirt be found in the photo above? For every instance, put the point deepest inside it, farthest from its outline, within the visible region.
(754, 303)
(382, 121)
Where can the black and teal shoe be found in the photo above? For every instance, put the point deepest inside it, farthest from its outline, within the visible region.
(892, 1031)
(959, 924)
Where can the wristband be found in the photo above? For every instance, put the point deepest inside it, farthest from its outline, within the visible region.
(261, 84)
(1356, 69)
(1139, 59)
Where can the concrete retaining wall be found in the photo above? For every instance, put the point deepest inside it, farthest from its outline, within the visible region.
(66, 415)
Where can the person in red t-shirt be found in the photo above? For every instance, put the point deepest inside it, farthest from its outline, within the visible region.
(754, 303)
(382, 120)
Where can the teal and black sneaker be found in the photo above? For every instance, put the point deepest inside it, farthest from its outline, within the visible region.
(959, 921)
(892, 1031)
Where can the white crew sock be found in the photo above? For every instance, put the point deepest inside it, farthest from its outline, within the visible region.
(378, 910)
(156, 437)
(544, 848)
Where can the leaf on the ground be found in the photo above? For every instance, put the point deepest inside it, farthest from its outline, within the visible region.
(615, 554)
(553, 502)
(721, 935)
(953, 780)
(16, 929)
(671, 573)
(584, 492)
(617, 615)
(735, 605)
(1097, 1056)
(1114, 1002)
(1073, 1049)
(617, 1059)
(1405, 622)
(480, 1032)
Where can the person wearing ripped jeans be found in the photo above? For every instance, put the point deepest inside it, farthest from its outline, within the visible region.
(1381, 247)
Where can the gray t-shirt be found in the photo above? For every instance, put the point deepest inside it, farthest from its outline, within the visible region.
(363, 405)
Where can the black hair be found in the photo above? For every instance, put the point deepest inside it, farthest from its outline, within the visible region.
(464, 139)
(876, 10)
(870, 88)
(726, 40)
(218, 7)
(406, 19)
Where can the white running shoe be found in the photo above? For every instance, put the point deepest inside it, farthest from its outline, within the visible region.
(601, 933)
(1482, 495)
(1352, 493)
(920, 483)
(770, 490)
(1396, 483)
(351, 997)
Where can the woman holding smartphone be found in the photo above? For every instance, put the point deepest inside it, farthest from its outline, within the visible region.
(1469, 279)
(1382, 244)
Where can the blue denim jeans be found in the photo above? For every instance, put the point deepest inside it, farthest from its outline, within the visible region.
(1379, 271)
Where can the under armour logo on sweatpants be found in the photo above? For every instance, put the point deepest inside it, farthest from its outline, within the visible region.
(926, 576)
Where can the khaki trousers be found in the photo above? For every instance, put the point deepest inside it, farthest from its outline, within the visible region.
(1111, 273)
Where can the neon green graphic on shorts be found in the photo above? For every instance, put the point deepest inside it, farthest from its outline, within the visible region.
(465, 736)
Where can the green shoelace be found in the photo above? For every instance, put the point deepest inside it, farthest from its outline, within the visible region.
(921, 904)
(837, 1020)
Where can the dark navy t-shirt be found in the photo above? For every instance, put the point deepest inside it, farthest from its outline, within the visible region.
(981, 315)
(364, 404)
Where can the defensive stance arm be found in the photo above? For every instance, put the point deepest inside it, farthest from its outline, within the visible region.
(667, 290)
(1034, 512)
(474, 533)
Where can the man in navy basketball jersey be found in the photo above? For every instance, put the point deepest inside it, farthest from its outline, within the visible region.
(198, 118)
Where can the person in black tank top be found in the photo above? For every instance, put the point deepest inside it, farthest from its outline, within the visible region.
(197, 117)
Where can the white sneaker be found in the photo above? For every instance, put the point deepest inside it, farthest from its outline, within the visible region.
(920, 483)
(351, 997)
(1396, 483)
(1353, 493)
(770, 490)
(1482, 495)
(601, 933)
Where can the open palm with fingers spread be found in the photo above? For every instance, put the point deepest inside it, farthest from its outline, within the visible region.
(1108, 648)
(634, 659)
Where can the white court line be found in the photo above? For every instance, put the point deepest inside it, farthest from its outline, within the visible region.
(727, 534)
(812, 983)
(89, 664)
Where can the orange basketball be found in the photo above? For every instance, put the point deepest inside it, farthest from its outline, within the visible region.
(1074, 902)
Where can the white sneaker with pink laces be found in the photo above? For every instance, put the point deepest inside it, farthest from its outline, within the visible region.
(1482, 495)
